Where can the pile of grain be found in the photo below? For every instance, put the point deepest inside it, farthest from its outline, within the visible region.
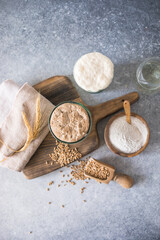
(96, 170)
(78, 170)
(64, 154)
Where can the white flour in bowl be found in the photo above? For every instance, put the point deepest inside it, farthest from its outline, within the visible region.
(128, 138)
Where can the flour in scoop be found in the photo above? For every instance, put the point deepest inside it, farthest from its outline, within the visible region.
(128, 138)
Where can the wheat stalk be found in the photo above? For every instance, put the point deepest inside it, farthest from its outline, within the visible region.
(31, 134)
(37, 123)
(3, 159)
(6, 145)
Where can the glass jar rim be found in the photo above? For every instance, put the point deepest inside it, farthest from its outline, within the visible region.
(139, 74)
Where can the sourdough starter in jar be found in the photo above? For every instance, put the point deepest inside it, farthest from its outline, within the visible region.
(70, 122)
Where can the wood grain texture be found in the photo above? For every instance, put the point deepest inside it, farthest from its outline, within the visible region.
(58, 89)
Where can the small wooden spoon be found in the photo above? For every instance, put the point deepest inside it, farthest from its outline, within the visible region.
(127, 109)
(117, 151)
(124, 180)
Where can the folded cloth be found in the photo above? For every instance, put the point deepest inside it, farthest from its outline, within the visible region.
(8, 91)
(13, 131)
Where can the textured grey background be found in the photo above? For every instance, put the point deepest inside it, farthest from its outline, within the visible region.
(39, 39)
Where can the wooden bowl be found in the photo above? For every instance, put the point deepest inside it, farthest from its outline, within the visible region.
(117, 151)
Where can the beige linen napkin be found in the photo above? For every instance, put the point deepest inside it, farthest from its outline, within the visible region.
(13, 131)
(8, 91)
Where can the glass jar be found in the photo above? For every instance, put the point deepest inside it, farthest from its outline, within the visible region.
(148, 73)
(90, 122)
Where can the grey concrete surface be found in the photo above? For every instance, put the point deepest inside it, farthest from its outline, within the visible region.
(39, 39)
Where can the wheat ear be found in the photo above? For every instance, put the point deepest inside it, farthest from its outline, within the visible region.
(32, 134)
(37, 123)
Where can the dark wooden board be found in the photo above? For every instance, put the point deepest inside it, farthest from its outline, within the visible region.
(58, 89)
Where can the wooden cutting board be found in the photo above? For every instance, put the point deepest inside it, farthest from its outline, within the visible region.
(58, 89)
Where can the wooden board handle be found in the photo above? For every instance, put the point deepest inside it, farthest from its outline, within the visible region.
(124, 180)
(104, 109)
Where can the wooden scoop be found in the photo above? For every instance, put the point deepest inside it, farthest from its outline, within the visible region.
(122, 179)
